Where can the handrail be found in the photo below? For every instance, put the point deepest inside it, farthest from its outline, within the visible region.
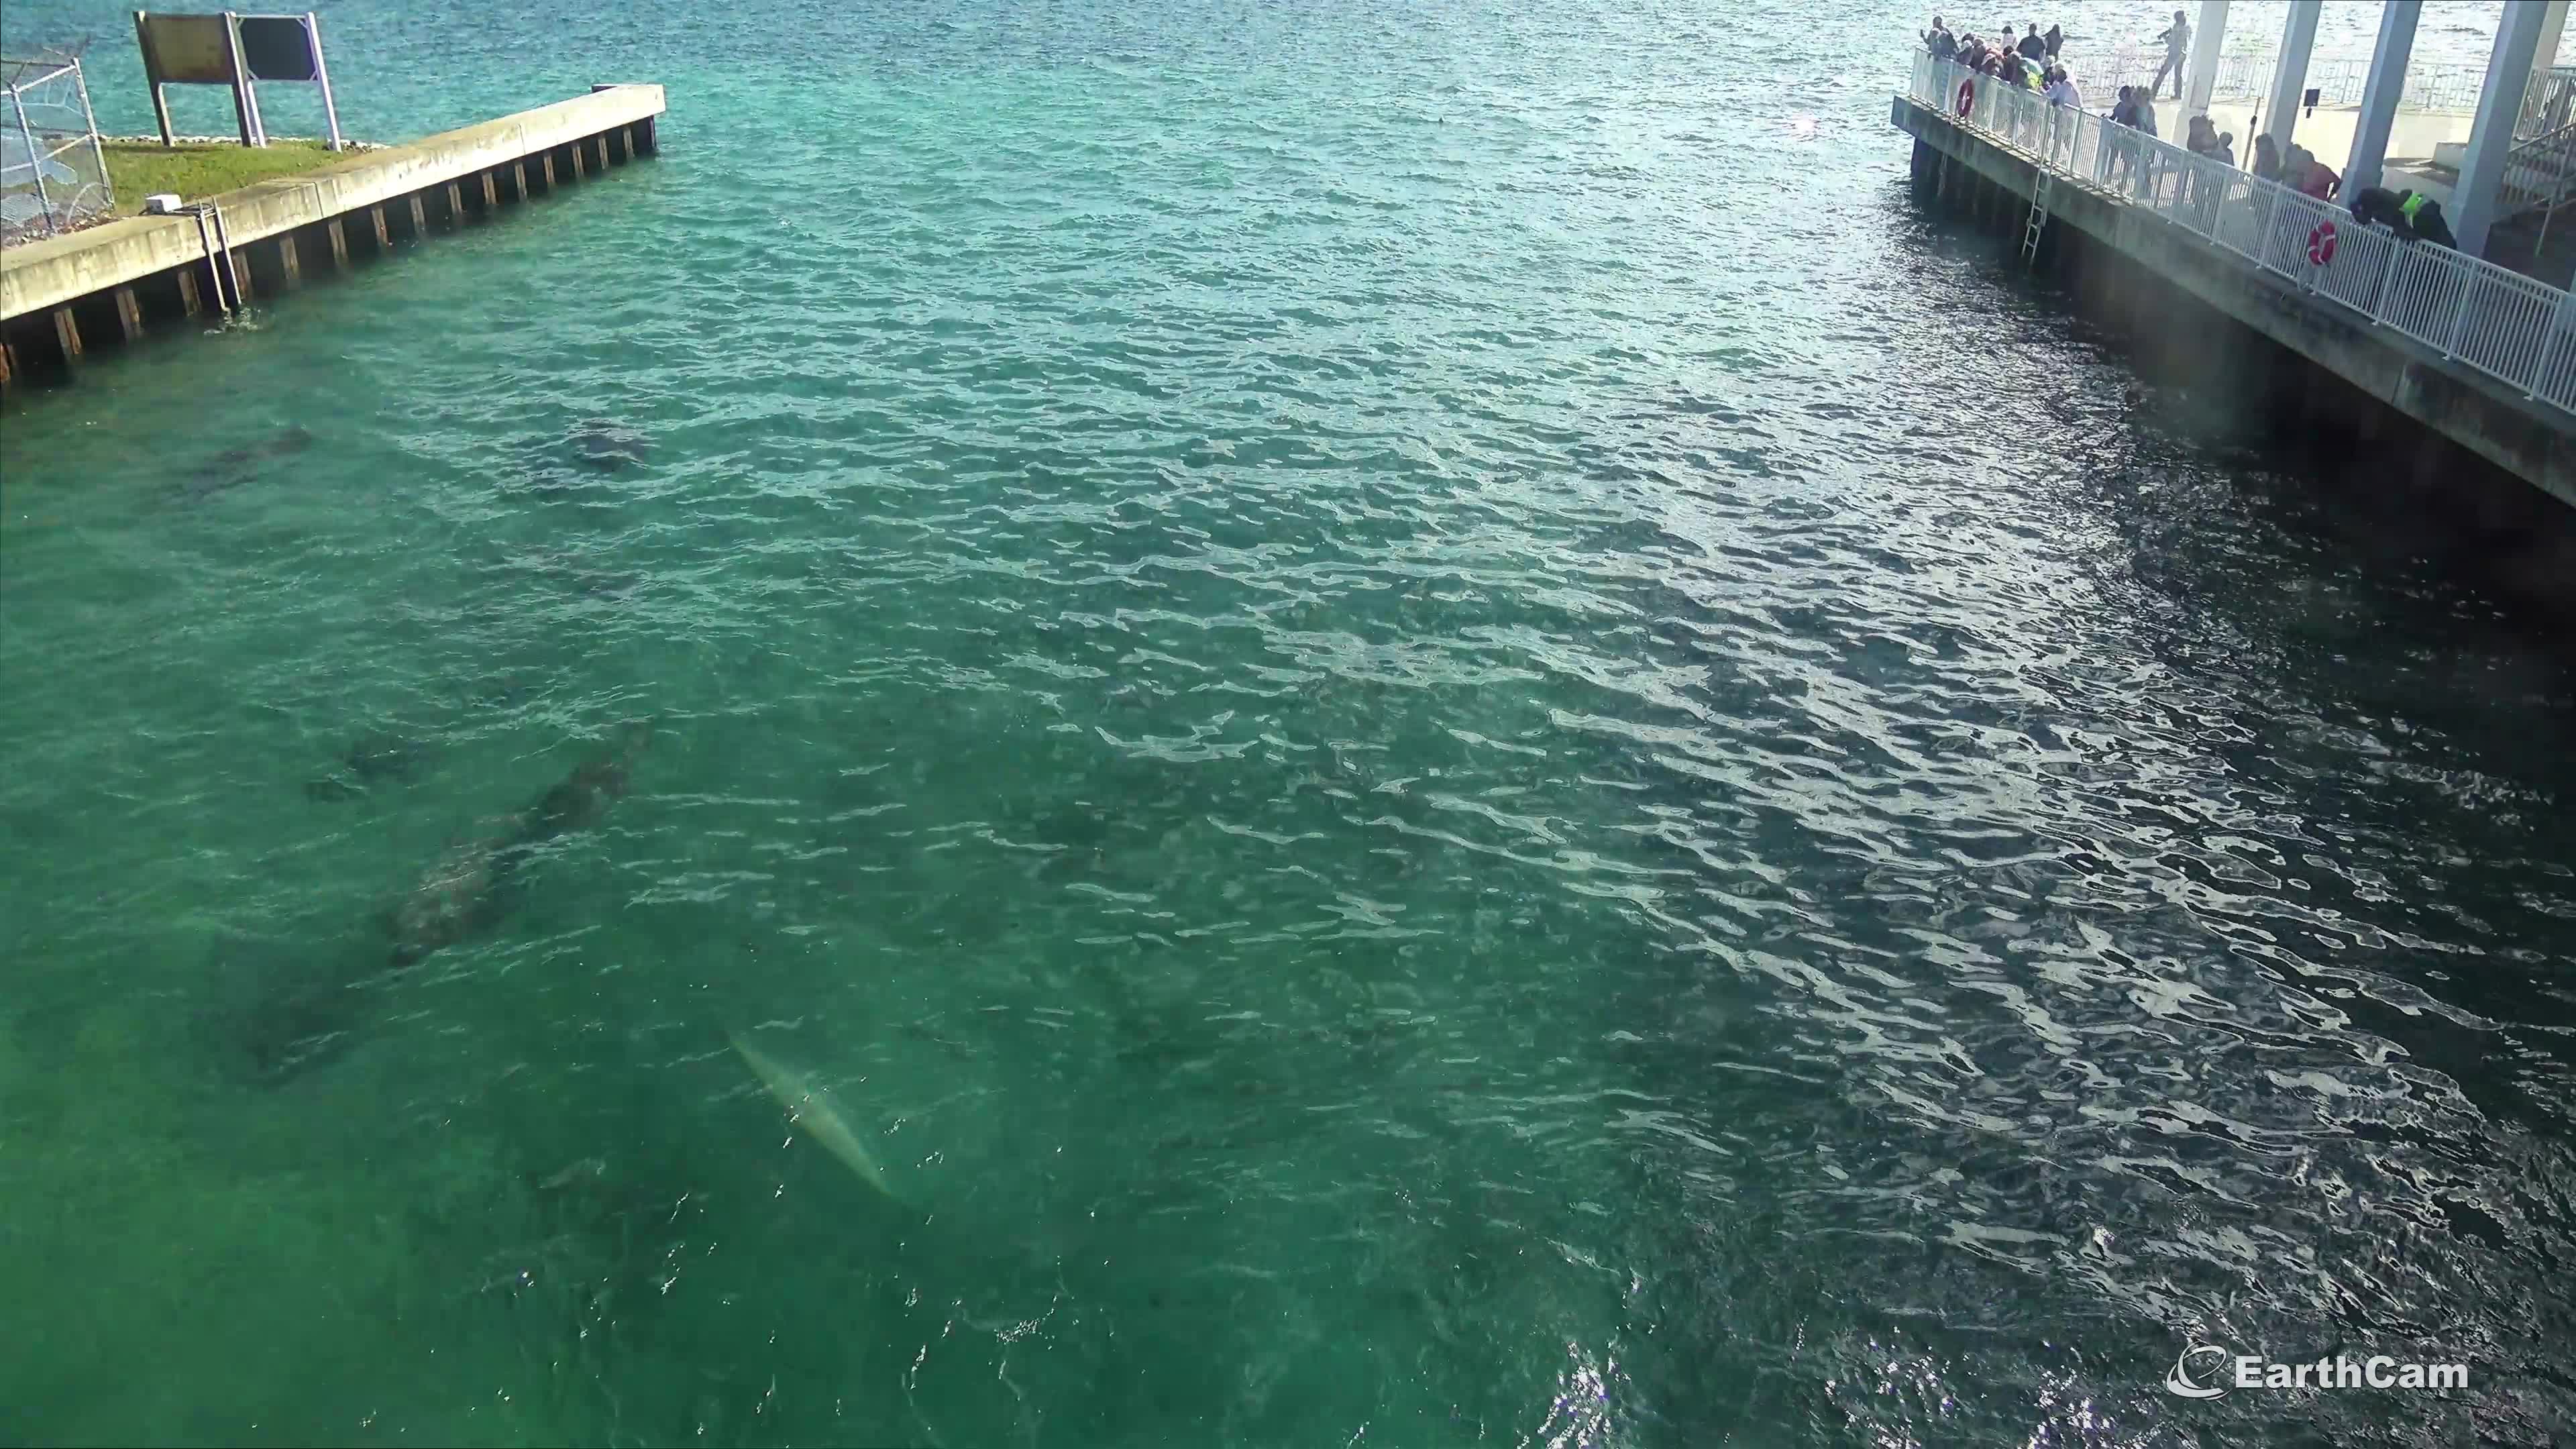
(2548, 103)
(2516, 329)
(2540, 174)
(2338, 80)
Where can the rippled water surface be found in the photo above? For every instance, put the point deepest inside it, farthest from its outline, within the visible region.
(1441, 735)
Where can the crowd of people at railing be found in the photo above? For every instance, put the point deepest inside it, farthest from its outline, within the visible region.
(2032, 63)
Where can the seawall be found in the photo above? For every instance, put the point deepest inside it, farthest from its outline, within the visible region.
(111, 284)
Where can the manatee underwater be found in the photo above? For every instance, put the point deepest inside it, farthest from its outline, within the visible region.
(372, 759)
(234, 467)
(467, 892)
(604, 445)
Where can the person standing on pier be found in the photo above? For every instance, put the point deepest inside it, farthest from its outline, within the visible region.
(2177, 39)
(2120, 152)
(2032, 47)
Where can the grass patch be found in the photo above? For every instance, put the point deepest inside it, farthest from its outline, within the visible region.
(196, 170)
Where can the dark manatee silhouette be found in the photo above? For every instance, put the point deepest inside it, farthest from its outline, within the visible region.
(601, 444)
(369, 761)
(233, 467)
(467, 892)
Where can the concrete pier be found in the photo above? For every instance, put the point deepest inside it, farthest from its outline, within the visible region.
(2164, 272)
(2424, 455)
(66, 296)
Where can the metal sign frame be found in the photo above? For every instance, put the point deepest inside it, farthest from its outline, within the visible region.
(231, 67)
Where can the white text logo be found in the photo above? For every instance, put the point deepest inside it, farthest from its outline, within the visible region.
(2205, 1371)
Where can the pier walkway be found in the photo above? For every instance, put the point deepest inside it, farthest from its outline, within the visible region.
(2484, 356)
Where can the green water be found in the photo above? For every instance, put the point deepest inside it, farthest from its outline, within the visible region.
(1378, 695)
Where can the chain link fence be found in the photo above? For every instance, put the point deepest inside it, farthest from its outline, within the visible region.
(53, 174)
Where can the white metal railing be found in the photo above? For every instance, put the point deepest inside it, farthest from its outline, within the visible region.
(2540, 172)
(2518, 330)
(2549, 103)
(2337, 80)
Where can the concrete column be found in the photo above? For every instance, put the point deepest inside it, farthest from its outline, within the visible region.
(2206, 37)
(2290, 74)
(2473, 202)
(2380, 94)
(2553, 25)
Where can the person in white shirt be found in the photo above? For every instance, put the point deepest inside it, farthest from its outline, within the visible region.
(2061, 89)
(2177, 39)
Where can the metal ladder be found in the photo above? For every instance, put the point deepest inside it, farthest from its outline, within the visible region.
(2039, 194)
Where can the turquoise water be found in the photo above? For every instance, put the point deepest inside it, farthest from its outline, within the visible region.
(1439, 733)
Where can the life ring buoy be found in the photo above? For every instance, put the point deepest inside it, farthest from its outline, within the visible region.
(2321, 243)
(1967, 97)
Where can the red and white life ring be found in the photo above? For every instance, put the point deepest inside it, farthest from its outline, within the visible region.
(1967, 97)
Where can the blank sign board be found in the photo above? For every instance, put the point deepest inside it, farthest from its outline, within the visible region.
(235, 50)
(186, 49)
(279, 48)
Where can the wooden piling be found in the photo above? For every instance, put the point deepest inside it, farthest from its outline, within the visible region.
(67, 334)
(377, 226)
(129, 314)
(419, 216)
(491, 192)
(191, 304)
(339, 237)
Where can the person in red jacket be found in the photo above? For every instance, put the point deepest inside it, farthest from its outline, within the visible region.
(2310, 176)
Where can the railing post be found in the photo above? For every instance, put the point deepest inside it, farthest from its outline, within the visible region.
(2271, 220)
(35, 160)
(2562, 324)
(2459, 315)
(97, 153)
